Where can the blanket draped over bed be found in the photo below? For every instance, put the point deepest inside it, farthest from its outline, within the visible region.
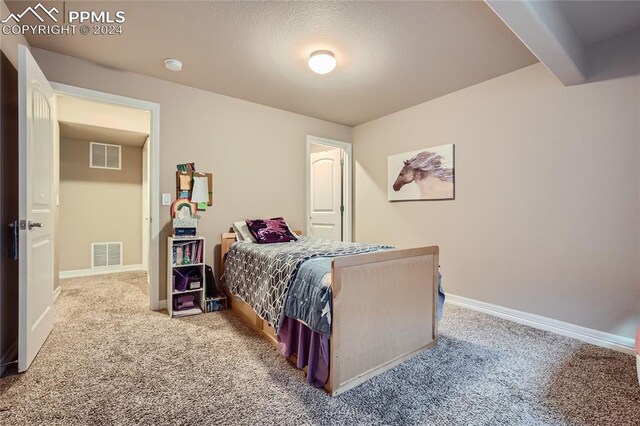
(261, 274)
(309, 297)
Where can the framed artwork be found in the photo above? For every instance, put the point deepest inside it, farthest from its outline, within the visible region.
(424, 174)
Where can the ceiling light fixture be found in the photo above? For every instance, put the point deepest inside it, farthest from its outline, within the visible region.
(173, 64)
(322, 61)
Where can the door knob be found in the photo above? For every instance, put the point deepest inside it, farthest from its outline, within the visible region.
(32, 225)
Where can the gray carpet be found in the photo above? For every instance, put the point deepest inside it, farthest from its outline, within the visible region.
(110, 360)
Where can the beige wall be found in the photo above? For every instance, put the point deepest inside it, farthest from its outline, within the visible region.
(255, 152)
(98, 205)
(547, 212)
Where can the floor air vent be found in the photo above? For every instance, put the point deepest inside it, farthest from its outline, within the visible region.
(106, 254)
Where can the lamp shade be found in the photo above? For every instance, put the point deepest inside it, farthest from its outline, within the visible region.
(200, 192)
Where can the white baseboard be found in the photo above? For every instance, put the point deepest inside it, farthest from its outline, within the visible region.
(56, 293)
(588, 335)
(162, 304)
(101, 271)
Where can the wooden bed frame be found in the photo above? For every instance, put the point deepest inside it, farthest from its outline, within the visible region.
(384, 309)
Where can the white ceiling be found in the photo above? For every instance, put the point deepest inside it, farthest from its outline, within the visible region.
(595, 21)
(391, 55)
(83, 132)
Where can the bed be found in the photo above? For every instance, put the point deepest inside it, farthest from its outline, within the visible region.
(383, 310)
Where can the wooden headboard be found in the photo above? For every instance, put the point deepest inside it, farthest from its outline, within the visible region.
(229, 238)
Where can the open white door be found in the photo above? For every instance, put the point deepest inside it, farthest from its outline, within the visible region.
(325, 195)
(37, 199)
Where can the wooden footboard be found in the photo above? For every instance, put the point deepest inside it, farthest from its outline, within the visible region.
(384, 312)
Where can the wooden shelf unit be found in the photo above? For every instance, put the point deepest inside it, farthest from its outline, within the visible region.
(171, 267)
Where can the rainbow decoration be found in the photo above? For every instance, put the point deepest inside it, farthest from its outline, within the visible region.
(180, 203)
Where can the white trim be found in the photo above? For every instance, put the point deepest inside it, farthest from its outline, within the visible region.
(162, 304)
(154, 167)
(588, 335)
(92, 166)
(145, 204)
(56, 292)
(100, 271)
(348, 185)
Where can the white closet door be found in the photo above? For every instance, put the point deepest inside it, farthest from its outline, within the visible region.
(326, 195)
(37, 199)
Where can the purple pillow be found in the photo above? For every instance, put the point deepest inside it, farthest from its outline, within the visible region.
(274, 230)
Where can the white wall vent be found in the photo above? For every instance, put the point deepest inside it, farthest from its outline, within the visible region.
(105, 156)
(104, 255)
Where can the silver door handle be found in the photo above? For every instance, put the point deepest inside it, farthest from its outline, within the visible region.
(32, 225)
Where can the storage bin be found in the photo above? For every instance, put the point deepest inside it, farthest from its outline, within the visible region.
(184, 301)
(187, 279)
(213, 304)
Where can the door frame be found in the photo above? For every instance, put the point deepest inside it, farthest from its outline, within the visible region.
(347, 218)
(153, 269)
(146, 205)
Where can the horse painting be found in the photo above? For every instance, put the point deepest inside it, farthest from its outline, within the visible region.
(431, 171)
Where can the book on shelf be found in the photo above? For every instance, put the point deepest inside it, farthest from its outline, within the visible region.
(188, 252)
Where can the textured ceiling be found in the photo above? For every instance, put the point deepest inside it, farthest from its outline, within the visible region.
(391, 55)
(599, 20)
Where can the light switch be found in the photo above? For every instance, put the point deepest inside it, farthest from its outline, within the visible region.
(166, 199)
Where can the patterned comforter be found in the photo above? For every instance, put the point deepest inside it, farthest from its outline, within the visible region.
(261, 274)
